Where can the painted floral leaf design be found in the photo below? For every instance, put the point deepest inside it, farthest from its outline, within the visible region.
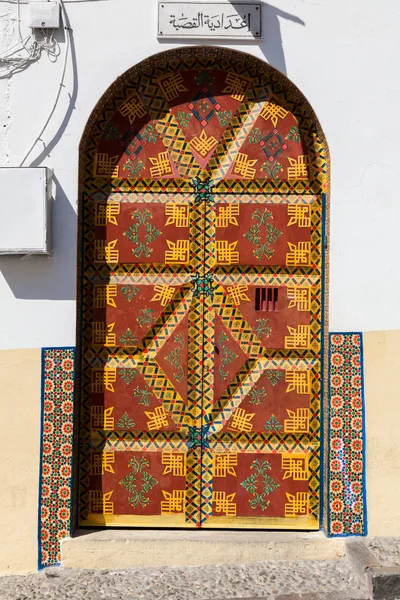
(203, 106)
(227, 356)
(135, 232)
(262, 328)
(259, 484)
(183, 118)
(263, 234)
(130, 482)
(149, 133)
(175, 357)
(126, 422)
(257, 395)
(111, 132)
(146, 317)
(134, 169)
(273, 376)
(127, 375)
(129, 291)
(128, 338)
(255, 135)
(273, 424)
(224, 116)
(272, 169)
(143, 395)
(294, 134)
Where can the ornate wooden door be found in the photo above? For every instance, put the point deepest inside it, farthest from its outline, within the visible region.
(201, 312)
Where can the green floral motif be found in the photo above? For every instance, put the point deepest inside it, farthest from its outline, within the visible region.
(111, 132)
(224, 116)
(149, 134)
(197, 437)
(129, 291)
(135, 233)
(128, 338)
(255, 135)
(134, 169)
(263, 234)
(294, 134)
(203, 106)
(259, 485)
(202, 190)
(147, 482)
(272, 169)
(146, 318)
(273, 376)
(143, 395)
(203, 286)
(183, 118)
(204, 79)
(127, 375)
(175, 357)
(257, 395)
(272, 424)
(262, 328)
(126, 422)
(227, 356)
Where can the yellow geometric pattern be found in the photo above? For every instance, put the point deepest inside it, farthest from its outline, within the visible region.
(236, 85)
(101, 419)
(103, 334)
(241, 420)
(100, 502)
(237, 293)
(103, 379)
(298, 167)
(105, 165)
(272, 110)
(226, 253)
(105, 253)
(163, 294)
(227, 215)
(224, 503)
(300, 297)
(296, 505)
(299, 215)
(133, 108)
(171, 85)
(174, 463)
(224, 464)
(244, 166)
(298, 338)
(106, 213)
(178, 253)
(178, 215)
(173, 503)
(104, 295)
(157, 419)
(295, 466)
(203, 144)
(298, 381)
(298, 421)
(102, 463)
(299, 254)
(161, 165)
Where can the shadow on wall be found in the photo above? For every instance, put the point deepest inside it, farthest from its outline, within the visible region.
(271, 44)
(54, 277)
(48, 278)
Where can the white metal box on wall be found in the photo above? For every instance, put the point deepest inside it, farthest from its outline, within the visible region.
(25, 203)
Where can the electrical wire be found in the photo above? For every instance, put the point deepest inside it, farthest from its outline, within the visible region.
(67, 30)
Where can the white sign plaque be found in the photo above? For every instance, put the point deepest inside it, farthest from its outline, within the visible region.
(228, 20)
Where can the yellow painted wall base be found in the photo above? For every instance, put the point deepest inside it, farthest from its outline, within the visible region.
(123, 549)
(382, 402)
(20, 375)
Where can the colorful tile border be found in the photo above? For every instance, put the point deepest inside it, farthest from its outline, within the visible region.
(55, 477)
(347, 513)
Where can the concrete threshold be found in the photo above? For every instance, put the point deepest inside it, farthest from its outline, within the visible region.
(120, 549)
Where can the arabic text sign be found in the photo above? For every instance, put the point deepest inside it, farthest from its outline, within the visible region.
(233, 20)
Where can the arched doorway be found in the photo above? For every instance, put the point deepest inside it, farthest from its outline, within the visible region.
(201, 320)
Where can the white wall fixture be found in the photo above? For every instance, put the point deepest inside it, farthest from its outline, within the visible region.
(25, 205)
(44, 15)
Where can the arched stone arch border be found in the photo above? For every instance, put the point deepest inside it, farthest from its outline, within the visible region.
(57, 518)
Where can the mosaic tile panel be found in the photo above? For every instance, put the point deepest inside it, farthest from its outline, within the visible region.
(55, 483)
(347, 495)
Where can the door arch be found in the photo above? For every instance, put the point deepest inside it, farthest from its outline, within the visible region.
(203, 175)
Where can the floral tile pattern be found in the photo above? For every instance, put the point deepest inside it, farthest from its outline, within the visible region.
(347, 496)
(55, 479)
